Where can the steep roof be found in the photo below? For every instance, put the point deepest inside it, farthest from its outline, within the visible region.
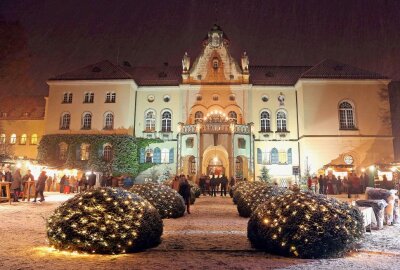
(331, 69)
(276, 75)
(153, 76)
(104, 70)
(22, 107)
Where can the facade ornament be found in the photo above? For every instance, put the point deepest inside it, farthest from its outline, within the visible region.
(245, 62)
(185, 62)
(281, 99)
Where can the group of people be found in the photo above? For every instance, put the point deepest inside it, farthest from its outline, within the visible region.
(19, 183)
(182, 186)
(330, 184)
(215, 184)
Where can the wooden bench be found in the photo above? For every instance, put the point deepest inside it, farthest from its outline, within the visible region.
(7, 185)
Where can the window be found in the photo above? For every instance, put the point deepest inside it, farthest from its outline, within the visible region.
(281, 121)
(346, 115)
(110, 97)
(67, 98)
(189, 143)
(215, 97)
(3, 138)
(87, 121)
(165, 155)
(232, 116)
(198, 116)
(89, 97)
(289, 156)
(149, 156)
(109, 120)
(192, 165)
(274, 156)
(150, 121)
(23, 139)
(215, 63)
(241, 143)
(84, 153)
(166, 122)
(62, 151)
(13, 138)
(34, 139)
(283, 157)
(265, 122)
(65, 121)
(107, 153)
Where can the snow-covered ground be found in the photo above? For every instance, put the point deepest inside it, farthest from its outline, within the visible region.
(212, 237)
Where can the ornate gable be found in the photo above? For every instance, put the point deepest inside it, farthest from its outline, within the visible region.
(215, 65)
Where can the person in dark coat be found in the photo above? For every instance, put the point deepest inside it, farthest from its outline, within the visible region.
(63, 180)
(16, 184)
(184, 191)
(92, 180)
(202, 184)
(321, 184)
(224, 184)
(103, 180)
(213, 185)
(40, 186)
(8, 175)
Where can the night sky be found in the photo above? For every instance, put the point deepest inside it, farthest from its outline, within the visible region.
(43, 38)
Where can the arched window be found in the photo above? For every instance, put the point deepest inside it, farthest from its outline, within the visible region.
(166, 121)
(198, 116)
(84, 153)
(232, 116)
(67, 98)
(23, 139)
(62, 151)
(107, 152)
(109, 120)
(87, 121)
(65, 120)
(165, 155)
(150, 120)
(274, 156)
(265, 121)
(281, 121)
(3, 138)
(34, 139)
(13, 139)
(346, 115)
(289, 156)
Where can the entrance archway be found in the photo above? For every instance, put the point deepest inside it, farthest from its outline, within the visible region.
(215, 160)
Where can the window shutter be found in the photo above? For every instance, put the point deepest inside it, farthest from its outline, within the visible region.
(142, 155)
(289, 156)
(171, 155)
(157, 155)
(259, 156)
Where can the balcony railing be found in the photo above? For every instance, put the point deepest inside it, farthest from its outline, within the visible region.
(218, 128)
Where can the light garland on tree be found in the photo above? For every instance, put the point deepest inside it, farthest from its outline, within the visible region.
(166, 200)
(246, 188)
(105, 221)
(259, 194)
(305, 225)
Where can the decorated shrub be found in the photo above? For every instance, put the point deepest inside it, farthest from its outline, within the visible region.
(105, 221)
(236, 186)
(244, 189)
(305, 225)
(249, 202)
(166, 200)
(195, 188)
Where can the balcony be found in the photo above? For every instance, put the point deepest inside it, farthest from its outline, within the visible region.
(216, 128)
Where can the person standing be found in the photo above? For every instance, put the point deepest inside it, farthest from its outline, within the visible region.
(224, 183)
(309, 183)
(202, 184)
(184, 191)
(26, 178)
(175, 183)
(40, 186)
(213, 184)
(103, 180)
(16, 184)
(92, 180)
(49, 183)
(63, 180)
(321, 184)
(72, 183)
(232, 183)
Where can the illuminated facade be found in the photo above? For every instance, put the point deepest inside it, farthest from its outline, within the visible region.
(219, 115)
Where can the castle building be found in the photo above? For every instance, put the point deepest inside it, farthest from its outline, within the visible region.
(219, 115)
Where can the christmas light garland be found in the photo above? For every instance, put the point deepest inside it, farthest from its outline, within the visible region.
(105, 221)
(305, 225)
(166, 200)
(245, 189)
(259, 194)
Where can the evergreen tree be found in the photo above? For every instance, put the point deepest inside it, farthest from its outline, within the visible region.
(265, 177)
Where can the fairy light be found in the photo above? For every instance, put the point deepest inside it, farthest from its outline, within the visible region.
(296, 230)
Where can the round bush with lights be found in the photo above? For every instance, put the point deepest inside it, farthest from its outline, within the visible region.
(305, 225)
(195, 188)
(249, 202)
(105, 221)
(166, 200)
(244, 189)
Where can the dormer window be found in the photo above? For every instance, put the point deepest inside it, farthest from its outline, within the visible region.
(215, 63)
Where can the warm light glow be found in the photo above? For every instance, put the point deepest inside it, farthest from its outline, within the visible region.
(46, 251)
(362, 169)
(372, 168)
(215, 159)
(393, 169)
(18, 165)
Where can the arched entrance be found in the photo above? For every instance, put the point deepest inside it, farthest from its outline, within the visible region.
(215, 161)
